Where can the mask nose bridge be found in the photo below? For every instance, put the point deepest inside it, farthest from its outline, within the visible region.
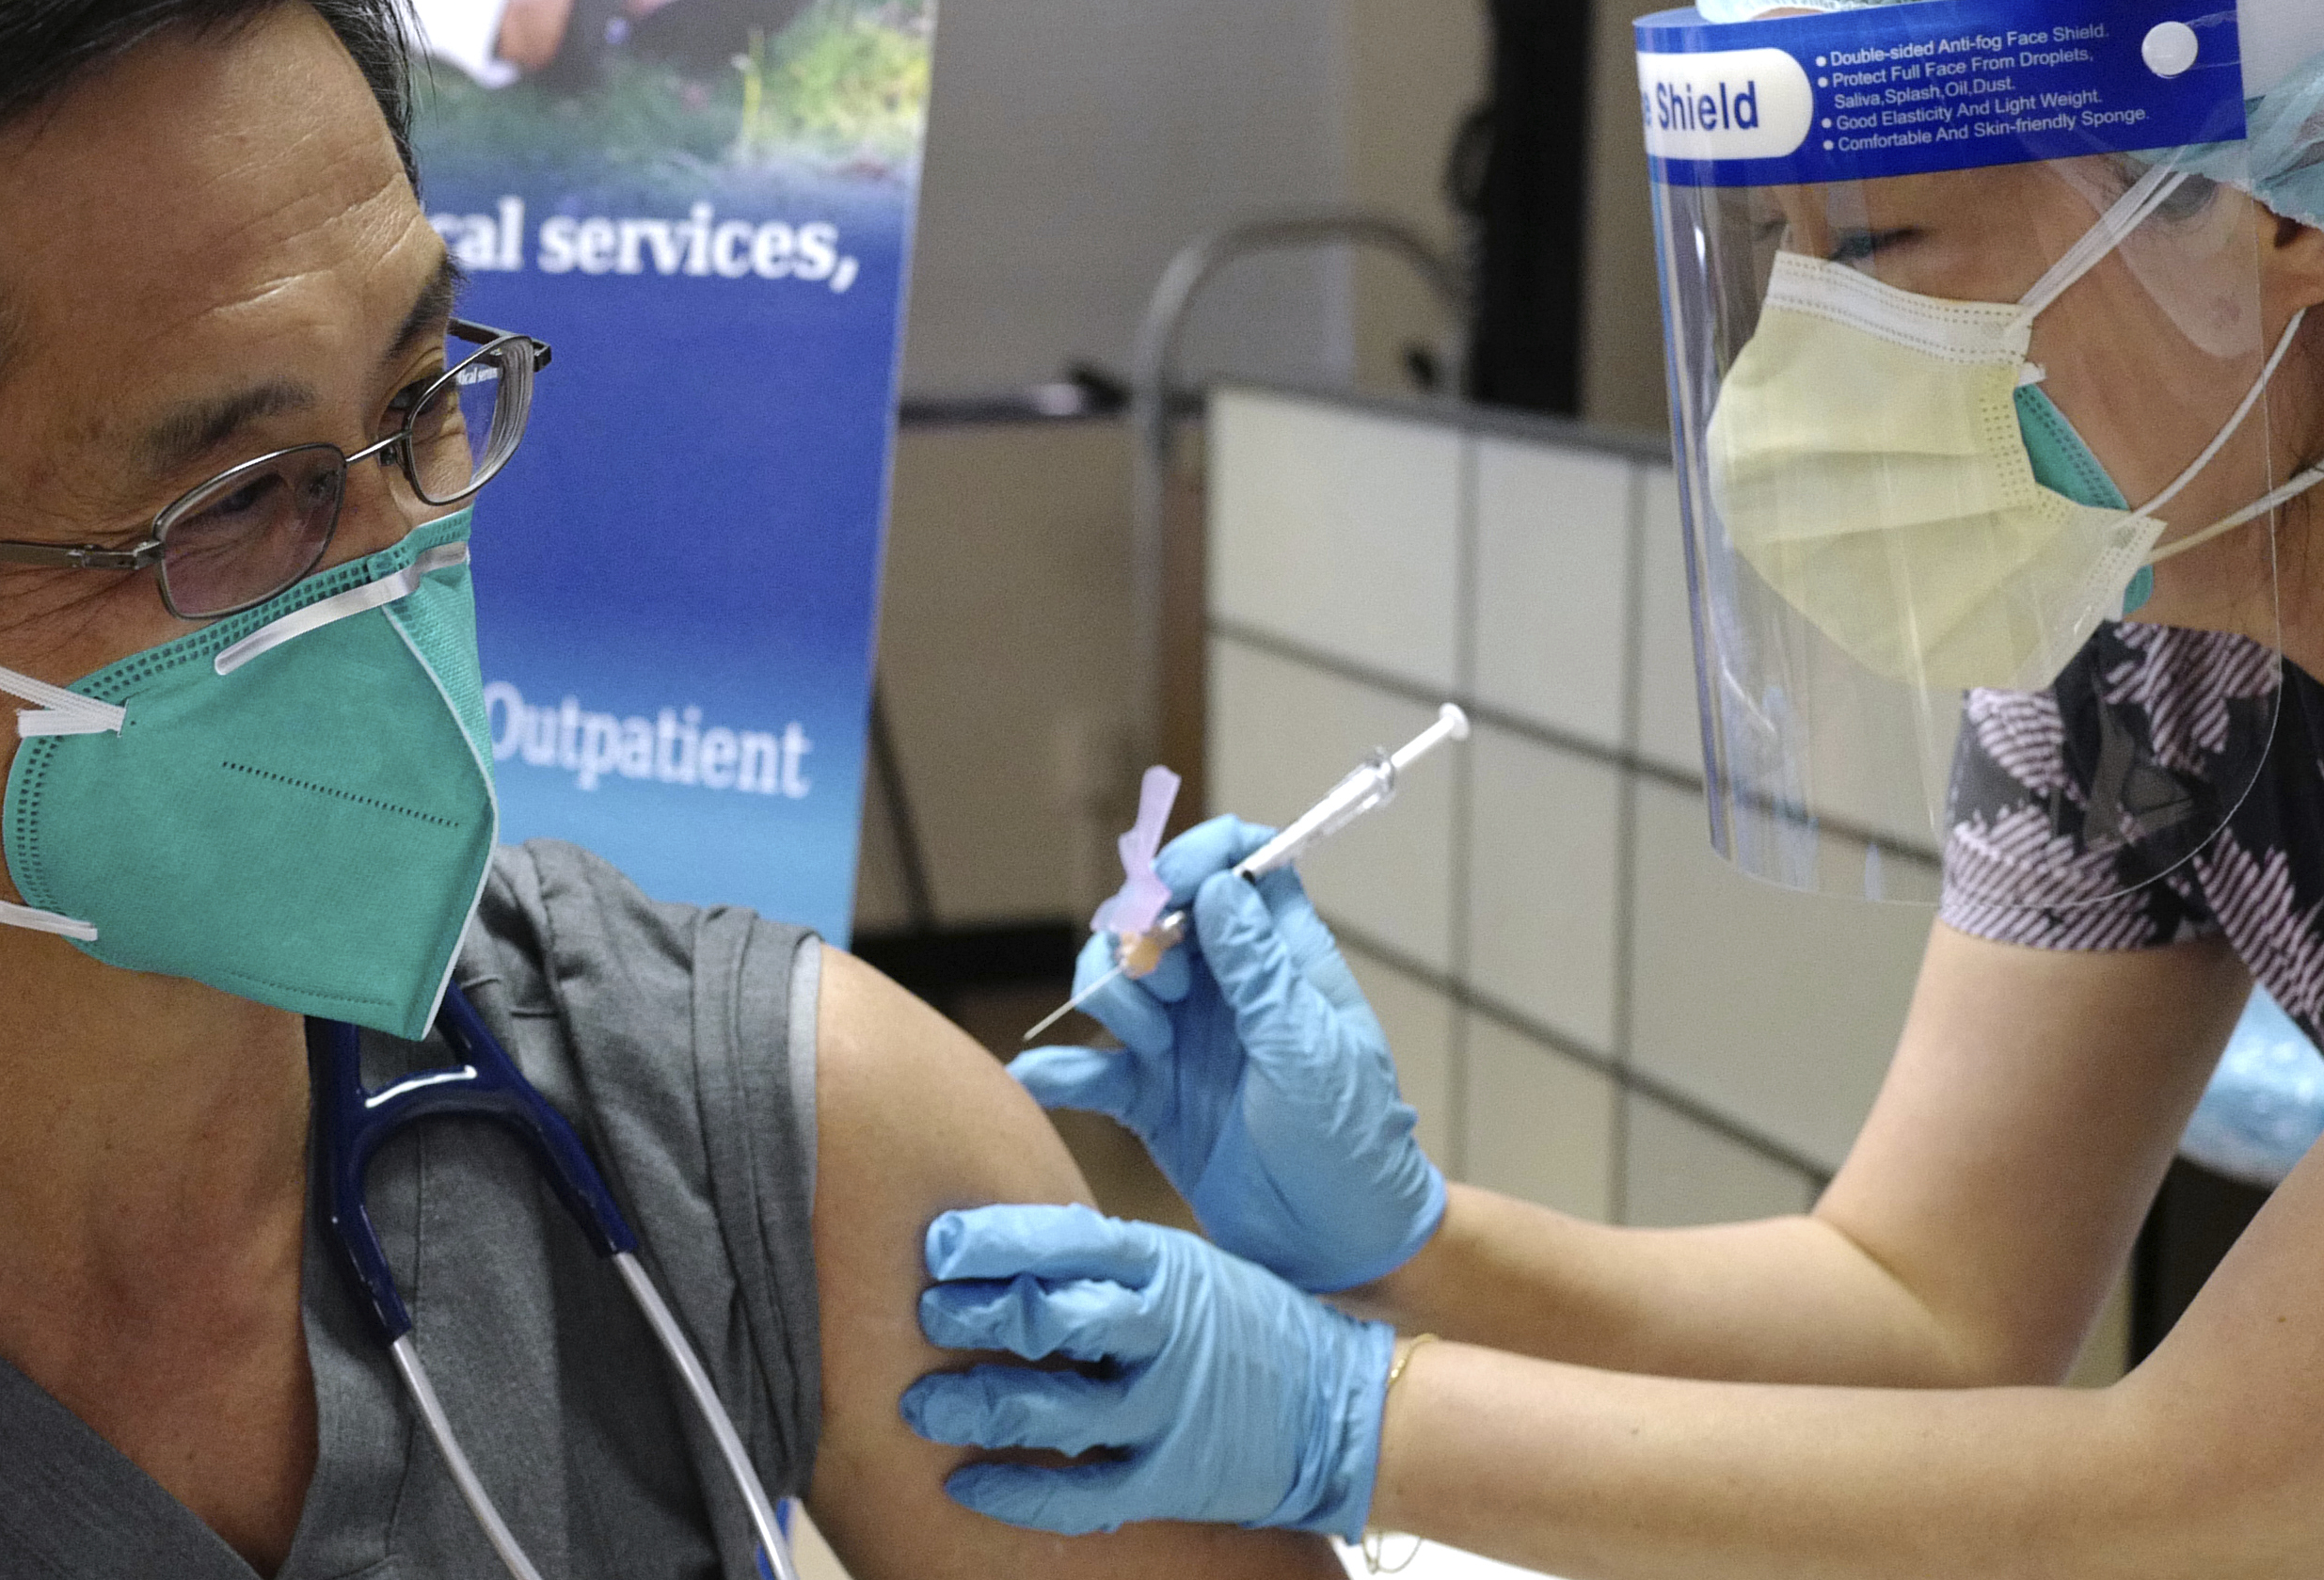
(372, 595)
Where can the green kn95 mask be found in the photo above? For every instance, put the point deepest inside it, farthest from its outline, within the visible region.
(293, 803)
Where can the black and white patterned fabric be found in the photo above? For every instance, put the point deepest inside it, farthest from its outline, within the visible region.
(2168, 786)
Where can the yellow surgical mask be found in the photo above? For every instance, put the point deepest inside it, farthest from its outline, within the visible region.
(1867, 458)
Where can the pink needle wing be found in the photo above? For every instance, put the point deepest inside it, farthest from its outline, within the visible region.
(1142, 898)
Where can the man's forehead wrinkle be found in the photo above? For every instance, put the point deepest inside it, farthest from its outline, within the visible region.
(306, 218)
(200, 228)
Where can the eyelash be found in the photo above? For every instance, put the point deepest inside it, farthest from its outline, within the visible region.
(1858, 246)
(405, 399)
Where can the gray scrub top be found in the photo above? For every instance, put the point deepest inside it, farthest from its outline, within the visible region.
(681, 1043)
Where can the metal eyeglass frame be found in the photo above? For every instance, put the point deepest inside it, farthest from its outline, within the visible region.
(91, 556)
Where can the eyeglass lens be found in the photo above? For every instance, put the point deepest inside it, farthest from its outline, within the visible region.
(261, 527)
(469, 426)
(254, 531)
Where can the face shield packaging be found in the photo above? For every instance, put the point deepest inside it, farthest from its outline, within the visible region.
(1966, 341)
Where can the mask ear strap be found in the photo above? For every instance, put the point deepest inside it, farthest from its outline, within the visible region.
(2267, 376)
(46, 921)
(60, 712)
(395, 585)
(2282, 497)
(2130, 211)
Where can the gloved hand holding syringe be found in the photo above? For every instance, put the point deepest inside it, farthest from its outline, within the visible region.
(1141, 943)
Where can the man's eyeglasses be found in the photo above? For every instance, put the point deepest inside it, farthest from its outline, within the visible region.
(248, 533)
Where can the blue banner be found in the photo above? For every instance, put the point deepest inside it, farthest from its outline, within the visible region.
(1937, 85)
(705, 207)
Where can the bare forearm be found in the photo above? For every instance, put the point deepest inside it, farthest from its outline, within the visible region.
(1599, 1475)
(1784, 1301)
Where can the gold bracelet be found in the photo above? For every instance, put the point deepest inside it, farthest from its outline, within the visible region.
(1375, 1544)
(1396, 1373)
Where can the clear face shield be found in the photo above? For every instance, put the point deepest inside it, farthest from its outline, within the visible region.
(1967, 367)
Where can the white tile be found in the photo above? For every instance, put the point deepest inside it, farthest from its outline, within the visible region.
(1337, 528)
(1777, 1008)
(1283, 733)
(1544, 866)
(1677, 1171)
(1419, 1021)
(1669, 718)
(1540, 1124)
(1553, 530)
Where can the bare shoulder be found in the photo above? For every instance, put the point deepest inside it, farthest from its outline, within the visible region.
(898, 1080)
(914, 1119)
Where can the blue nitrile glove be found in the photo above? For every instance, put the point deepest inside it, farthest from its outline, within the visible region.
(1257, 1076)
(1226, 1395)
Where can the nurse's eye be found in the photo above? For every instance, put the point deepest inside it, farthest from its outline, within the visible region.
(1857, 246)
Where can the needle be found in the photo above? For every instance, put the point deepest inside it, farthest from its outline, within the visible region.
(1372, 785)
(1073, 1004)
(1145, 949)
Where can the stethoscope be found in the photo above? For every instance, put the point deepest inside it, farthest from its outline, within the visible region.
(350, 1125)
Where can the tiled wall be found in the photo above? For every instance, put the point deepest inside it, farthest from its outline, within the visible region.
(1589, 1007)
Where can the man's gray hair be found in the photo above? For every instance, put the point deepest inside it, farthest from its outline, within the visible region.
(46, 44)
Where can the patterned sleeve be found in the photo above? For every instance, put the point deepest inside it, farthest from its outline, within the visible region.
(2069, 807)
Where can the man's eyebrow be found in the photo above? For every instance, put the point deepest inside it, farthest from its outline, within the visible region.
(193, 428)
(431, 306)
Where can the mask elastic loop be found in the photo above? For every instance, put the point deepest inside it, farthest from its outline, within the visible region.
(60, 712)
(2210, 454)
(387, 589)
(46, 921)
(2133, 209)
(2282, 497)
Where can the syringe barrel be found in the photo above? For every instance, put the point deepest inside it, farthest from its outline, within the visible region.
(1369, 787)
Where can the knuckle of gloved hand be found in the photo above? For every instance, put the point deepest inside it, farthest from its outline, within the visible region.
(949, 1322)
(1207, 846)
(1009, 1416)
(942, 1408)
(983, 1314)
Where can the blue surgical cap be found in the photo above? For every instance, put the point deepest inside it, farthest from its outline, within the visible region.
(2282, 163)
(2285, 151)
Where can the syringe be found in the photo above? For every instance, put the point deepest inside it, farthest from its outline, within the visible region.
(1372, 785)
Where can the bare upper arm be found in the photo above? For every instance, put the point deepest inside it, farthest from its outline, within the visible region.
(2034, 1101)
(912, 1118)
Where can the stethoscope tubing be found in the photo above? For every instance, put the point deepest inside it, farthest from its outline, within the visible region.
(689, 1365)
(351, 1125)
